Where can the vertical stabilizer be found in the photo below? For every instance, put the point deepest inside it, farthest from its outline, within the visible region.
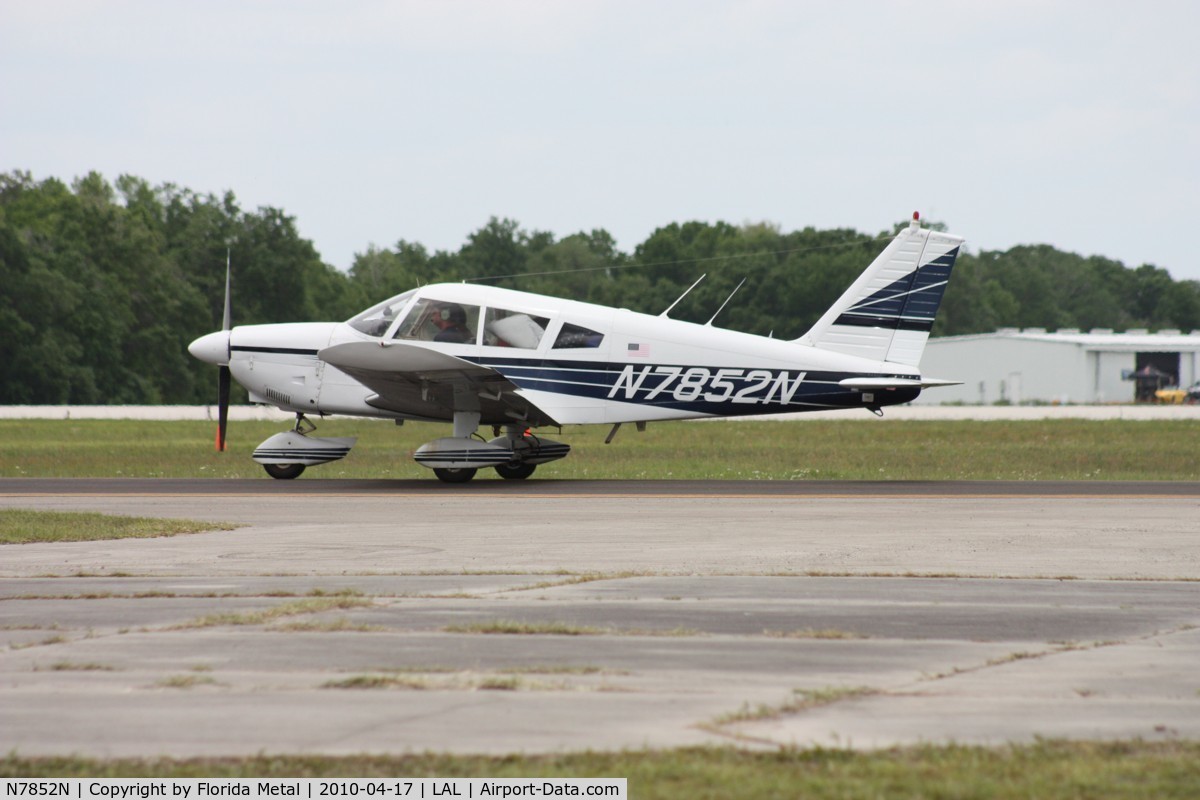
(886, 315)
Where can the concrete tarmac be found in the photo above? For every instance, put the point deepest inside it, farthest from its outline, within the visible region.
(346, 618)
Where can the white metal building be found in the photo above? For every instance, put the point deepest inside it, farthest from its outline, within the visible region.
(1067, 366)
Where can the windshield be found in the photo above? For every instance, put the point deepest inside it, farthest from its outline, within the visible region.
(433, 320)
(377, 319)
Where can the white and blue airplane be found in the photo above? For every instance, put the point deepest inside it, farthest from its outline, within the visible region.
(477, 355)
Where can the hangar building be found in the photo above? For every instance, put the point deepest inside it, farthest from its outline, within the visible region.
(1032, 366)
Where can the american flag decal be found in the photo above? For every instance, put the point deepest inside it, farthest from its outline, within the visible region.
(638, 350)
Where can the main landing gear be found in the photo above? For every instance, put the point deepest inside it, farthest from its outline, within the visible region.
(512, 471)
(514, 454)
(515, 470)
(454, 474)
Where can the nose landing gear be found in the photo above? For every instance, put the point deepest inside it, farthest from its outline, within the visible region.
(285, 455)
(284, 472)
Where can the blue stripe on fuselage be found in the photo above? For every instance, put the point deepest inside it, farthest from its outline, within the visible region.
(704, 390)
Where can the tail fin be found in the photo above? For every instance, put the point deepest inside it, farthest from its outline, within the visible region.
(886, 315)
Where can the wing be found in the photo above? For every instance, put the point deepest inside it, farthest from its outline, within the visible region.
(424, 383)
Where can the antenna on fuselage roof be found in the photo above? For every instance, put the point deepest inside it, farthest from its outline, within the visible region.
(685, 294)
(727, 299)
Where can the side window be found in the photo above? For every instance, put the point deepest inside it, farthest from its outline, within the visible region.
(433, 320)
(577, 336)
(503, 328)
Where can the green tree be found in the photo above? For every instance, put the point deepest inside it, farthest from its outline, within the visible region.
(105, 284)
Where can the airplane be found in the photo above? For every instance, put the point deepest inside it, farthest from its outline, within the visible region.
(476, 355)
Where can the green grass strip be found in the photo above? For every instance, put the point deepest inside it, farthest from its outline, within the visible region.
(20, 526)
(1110, 770)
(830, 448)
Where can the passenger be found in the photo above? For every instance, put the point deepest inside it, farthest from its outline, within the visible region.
(452, 323)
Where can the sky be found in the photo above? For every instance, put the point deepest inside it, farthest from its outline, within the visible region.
(1075, 124)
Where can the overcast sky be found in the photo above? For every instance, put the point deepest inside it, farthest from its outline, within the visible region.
(1075, 124)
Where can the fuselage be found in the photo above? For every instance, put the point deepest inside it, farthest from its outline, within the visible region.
(585, 363)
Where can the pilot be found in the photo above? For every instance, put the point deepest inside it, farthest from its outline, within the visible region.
(451, 321)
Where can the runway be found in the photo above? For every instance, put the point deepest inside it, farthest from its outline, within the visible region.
(17, 487)
(565, 615)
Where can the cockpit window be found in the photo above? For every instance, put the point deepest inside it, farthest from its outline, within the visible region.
(377, 319)
(439, 321)
(577, 336)
(504, 328)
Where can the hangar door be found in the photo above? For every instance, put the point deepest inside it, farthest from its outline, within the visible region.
(1153, 371)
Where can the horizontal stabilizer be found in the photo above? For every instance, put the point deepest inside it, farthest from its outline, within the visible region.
(871, 384)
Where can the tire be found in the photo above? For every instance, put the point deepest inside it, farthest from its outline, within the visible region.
(284, 472)
(457, 475)
(515, 471)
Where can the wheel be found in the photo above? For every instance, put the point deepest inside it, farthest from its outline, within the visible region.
(515, 471)
(458, 475)
(284, 472)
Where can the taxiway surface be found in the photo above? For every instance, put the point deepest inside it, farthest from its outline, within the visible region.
(382, 616)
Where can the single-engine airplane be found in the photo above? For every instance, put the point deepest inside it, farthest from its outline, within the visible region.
(477, 355)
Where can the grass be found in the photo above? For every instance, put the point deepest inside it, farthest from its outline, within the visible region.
(18, 526)
(1114, 771)
(308, 605)
(810, 633)
(75, 666)
(185, 682)
(515, 628)
(458, 682)
(339, 625)
(446, 678)
(559, 669)
(378, 682)
(801, 700)
(812, 698)
(829, 448)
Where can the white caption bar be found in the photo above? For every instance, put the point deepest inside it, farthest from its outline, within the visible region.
(312, 788)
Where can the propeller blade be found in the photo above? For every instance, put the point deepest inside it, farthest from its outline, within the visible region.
(225, 319)
(224, 379)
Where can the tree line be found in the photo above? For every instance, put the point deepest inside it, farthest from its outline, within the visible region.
(103, 285)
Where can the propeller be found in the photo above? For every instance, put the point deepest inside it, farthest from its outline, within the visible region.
(224, 377)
